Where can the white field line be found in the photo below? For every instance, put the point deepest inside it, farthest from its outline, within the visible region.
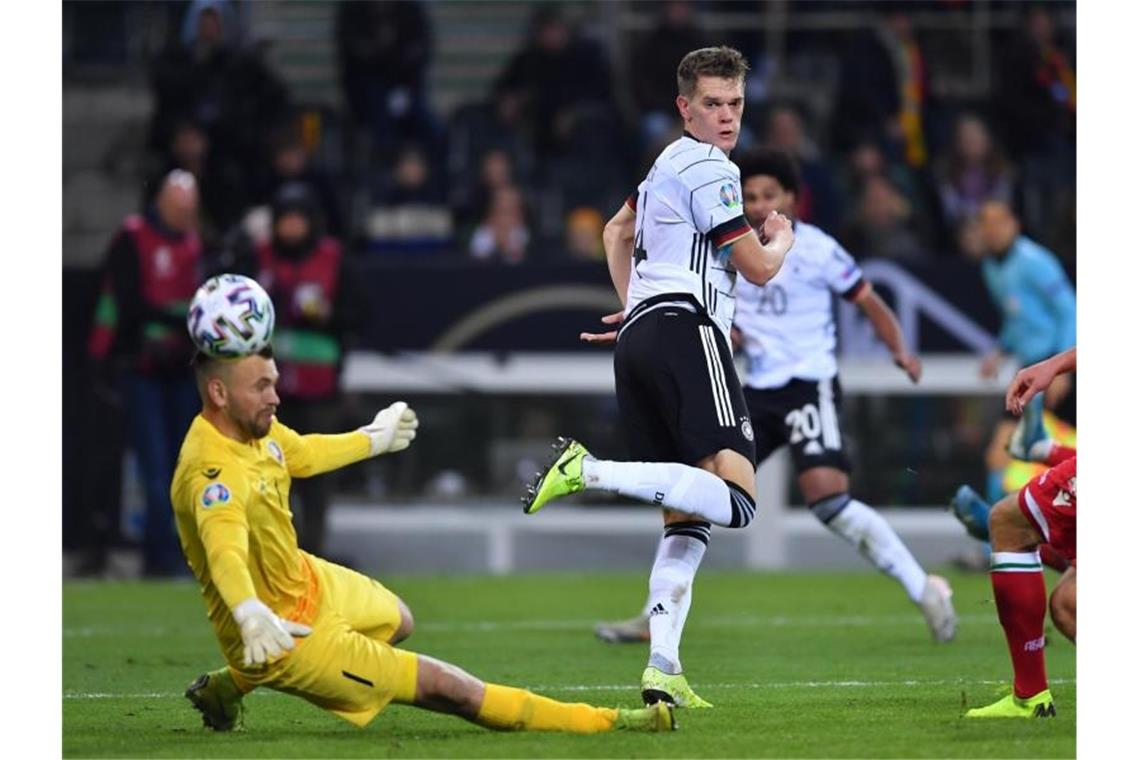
(492, 626)
(633, 687)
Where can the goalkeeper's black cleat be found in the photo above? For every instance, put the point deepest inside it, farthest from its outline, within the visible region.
(218, 699)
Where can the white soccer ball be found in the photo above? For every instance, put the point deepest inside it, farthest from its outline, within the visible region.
(230, 316)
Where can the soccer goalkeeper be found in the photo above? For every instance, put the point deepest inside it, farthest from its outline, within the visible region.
(293, 622)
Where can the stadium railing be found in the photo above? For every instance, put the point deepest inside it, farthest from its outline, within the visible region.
(492, 536)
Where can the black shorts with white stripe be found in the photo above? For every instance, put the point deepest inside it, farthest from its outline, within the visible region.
(677, 389)
(804, 414)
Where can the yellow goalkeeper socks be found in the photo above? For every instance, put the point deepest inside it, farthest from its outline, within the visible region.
(509, 709)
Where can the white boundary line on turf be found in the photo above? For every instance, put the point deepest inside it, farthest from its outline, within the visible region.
(490, 626)
(634, 687)
(806, 684)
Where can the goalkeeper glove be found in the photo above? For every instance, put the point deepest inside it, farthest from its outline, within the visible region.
(265, 636)
(393, 429)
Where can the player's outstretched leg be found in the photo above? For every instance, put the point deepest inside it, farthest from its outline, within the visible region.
(972, 511)
(443, 687)
(507, 708)
(672, 485)
(218, 698)
(874, 538)
(938, 609)
(562, 477)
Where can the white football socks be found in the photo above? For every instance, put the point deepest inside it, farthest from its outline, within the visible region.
(656, 558)
(677, 486)
(867, 531)
(670, 596)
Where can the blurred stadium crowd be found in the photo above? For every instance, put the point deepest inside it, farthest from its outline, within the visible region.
(896, 154)
(530, 170)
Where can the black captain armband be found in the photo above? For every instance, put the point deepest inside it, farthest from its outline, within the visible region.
(729, 232)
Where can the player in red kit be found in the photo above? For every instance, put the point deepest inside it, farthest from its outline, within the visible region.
(1043, 512)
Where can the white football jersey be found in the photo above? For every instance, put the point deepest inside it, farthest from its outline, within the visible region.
(788, 325)
(689, 214)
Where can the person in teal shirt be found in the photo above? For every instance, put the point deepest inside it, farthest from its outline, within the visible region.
(1039, 312)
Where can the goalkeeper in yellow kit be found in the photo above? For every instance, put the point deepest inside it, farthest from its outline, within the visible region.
(293, 622)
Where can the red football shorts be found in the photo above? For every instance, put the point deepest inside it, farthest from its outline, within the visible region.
(1049, 502)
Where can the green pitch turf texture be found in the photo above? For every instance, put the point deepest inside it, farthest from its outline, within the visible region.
(808, 665)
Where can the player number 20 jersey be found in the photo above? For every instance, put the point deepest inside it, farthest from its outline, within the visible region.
(787, 325)
(689, 214)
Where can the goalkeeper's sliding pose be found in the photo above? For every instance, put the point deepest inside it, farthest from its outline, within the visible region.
(290, 621)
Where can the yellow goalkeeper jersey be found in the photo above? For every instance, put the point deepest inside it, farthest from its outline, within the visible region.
(231, 505)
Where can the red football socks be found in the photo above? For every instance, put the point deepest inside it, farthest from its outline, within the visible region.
(1019, 592)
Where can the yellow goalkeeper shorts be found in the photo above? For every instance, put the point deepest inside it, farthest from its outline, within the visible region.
(346, 665)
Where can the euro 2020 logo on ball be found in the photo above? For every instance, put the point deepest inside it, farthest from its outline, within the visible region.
(230, 316)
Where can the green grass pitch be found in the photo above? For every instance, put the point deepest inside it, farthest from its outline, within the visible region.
(806, 665)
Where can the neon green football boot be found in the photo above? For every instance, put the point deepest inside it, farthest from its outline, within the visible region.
(562, 478)
(655, 717)
(1038, 706)
(218, 698)
(658, 686)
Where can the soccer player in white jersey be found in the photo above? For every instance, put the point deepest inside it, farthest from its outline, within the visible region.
(682, 407)
(786, 327)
